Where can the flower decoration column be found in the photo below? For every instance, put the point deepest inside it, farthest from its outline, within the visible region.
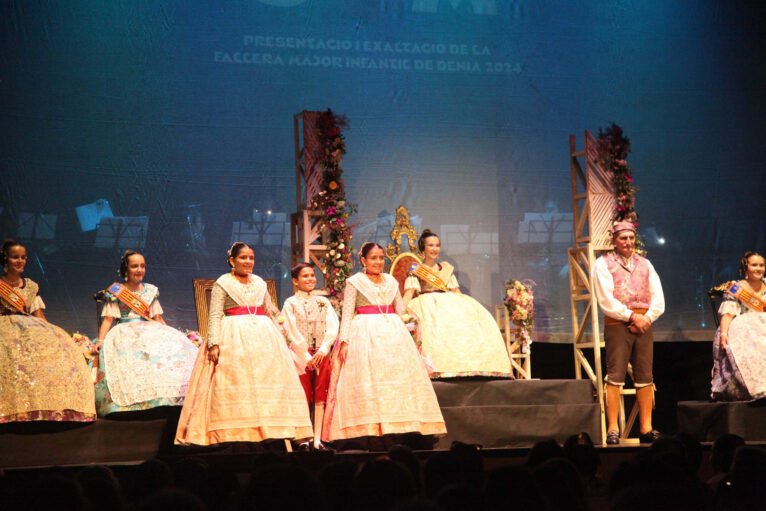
(331, 201)
(613, 153)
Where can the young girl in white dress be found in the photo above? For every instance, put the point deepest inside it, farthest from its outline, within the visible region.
(380, 384)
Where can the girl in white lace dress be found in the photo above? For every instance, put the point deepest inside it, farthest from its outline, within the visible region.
(380, 384)
(143, 363)
(245, 385)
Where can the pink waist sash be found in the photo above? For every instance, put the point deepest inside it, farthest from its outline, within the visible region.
(244, 311)
(375, 309)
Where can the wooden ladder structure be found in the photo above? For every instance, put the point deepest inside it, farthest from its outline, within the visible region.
(308, 234)
(593, 202)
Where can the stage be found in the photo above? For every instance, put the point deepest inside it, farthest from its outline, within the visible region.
(505, 417)
(494, 413)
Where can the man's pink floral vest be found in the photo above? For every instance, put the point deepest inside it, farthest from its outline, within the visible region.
(630, 287)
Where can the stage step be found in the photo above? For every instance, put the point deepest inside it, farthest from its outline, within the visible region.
(493, 413)
(708, 420)
(508, 413)
(130, 437)
(460, 392)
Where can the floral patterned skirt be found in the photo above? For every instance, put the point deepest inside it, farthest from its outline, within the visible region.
(143, 365)
(43, 374)
(739, 370)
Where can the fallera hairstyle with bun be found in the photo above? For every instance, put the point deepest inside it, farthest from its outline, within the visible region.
(423, 237)
(235, 249)
(367, 247)
(745, 258)
(7, 246)
(123, 271)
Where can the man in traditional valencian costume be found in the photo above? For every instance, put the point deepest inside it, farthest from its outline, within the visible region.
(629, 293)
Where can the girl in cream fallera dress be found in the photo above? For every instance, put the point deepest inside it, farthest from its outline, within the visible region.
(245, 385)
(459, 336)
(380, 384)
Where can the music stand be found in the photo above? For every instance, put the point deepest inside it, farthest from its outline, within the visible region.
(462, 240)
(545, 228)
(265, 229)
(122, 232)
(37, 226)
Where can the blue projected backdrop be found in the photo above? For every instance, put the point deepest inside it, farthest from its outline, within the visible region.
(168, 127)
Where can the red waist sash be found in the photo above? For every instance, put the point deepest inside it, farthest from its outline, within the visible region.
(245, 311)
(375, 309)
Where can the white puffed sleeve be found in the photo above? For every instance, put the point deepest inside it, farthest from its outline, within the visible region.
(729, 305)
(412, 282)
(110, 310)
(37, 304)
(155, 309)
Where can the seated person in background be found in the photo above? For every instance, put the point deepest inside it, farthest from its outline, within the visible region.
(143, 363)
(739, 348)
(459, 336)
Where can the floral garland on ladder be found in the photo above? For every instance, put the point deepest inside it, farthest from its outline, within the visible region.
(520, 303)
(613, 148)
(331, 200)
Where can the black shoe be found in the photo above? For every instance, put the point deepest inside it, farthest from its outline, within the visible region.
(649, 436)
(612, 437)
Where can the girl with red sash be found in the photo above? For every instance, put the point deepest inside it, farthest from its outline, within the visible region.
(379, 383)
(245, 386)
(43, 374)
(143, 363)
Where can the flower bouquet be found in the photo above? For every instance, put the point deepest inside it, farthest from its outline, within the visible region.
(519, 301)
(85, 345)
(194, 337)
(411, 323)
